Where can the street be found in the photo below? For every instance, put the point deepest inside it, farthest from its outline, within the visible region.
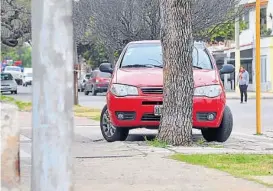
(244, 114)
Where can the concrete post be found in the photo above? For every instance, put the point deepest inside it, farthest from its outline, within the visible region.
(10, 141)
(237, 52)
(52, 100)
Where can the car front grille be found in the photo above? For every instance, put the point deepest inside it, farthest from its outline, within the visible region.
(152, 90)
(150, 117)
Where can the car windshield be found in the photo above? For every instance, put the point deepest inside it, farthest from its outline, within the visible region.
(87, 76)
(6, 76)
(17, 69)
(150, 55)
(104, 75)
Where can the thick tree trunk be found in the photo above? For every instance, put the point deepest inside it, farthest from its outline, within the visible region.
(176, 37)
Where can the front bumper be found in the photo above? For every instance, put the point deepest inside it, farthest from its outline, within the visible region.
(138, 111)
(8, 88)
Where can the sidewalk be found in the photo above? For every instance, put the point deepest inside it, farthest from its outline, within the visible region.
(132, 165)
(251, 95)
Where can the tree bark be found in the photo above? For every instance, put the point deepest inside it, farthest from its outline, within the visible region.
(76, 62)
(52, 113)
(176, 37)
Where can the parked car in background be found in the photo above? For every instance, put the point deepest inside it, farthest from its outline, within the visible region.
(135, 96)
(16, 73)
(97, 83)
(82, 82)
(27, 79)
(8, 84)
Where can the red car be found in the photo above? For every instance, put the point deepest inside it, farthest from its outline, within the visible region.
(98, 82)
(135, 95)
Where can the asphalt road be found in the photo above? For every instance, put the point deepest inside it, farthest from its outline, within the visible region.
(244, 114)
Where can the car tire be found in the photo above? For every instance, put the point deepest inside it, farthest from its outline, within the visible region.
(225, 129)
(222, 133)
(109, 132)
(86, 92)
(209, 134)
(94, 92)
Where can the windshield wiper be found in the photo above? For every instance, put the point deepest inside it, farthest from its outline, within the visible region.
(155, 66)
(197, 67)
(136, 66)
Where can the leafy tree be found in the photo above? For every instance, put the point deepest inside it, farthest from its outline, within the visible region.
(22, 53)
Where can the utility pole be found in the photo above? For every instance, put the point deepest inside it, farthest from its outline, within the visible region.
(237, 50)
(258, 68)
(52, 99)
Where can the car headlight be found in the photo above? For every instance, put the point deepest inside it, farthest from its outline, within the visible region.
(208, 91)
(121, 90)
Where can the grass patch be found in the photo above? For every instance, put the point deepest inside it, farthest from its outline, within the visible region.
(79, 111)
(239, 165)
(23, 106)
(156, 143)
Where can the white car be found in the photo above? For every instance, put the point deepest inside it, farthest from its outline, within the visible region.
(16, 73)
(27, 79)
(8, 84)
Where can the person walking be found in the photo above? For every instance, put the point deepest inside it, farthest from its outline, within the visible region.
(243, 80)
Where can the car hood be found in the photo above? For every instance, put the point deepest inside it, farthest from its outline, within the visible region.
(154, 77)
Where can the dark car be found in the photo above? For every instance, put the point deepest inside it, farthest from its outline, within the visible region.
(97, 83)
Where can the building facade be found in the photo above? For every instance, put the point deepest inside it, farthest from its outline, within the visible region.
(247, 38)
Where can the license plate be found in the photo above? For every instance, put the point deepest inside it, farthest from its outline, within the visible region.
(158, 110)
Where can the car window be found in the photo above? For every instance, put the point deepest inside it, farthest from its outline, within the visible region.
(151, 54)
(87, 76)
(6, 76)
(104, 75)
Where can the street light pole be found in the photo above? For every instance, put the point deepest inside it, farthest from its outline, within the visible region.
(237, 50)
(258, 68)
(52, 99)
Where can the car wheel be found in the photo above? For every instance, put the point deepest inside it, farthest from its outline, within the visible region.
(94, 92)
(15, 92)
(225, 129)
(109, 132)
(222, 133)
(86, 92)
(209, 134)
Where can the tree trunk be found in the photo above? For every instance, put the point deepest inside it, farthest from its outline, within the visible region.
(176, 37)
(52, 117)
(76, 62)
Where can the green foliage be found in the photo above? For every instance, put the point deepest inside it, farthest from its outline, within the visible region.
(17, 53)
(225, 31)
(93, 53)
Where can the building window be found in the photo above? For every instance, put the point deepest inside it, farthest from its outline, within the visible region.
(263, 69)
(244, 18)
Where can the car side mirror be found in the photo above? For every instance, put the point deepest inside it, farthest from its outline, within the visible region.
(84, 81)
(227, 69)
(106, 67)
